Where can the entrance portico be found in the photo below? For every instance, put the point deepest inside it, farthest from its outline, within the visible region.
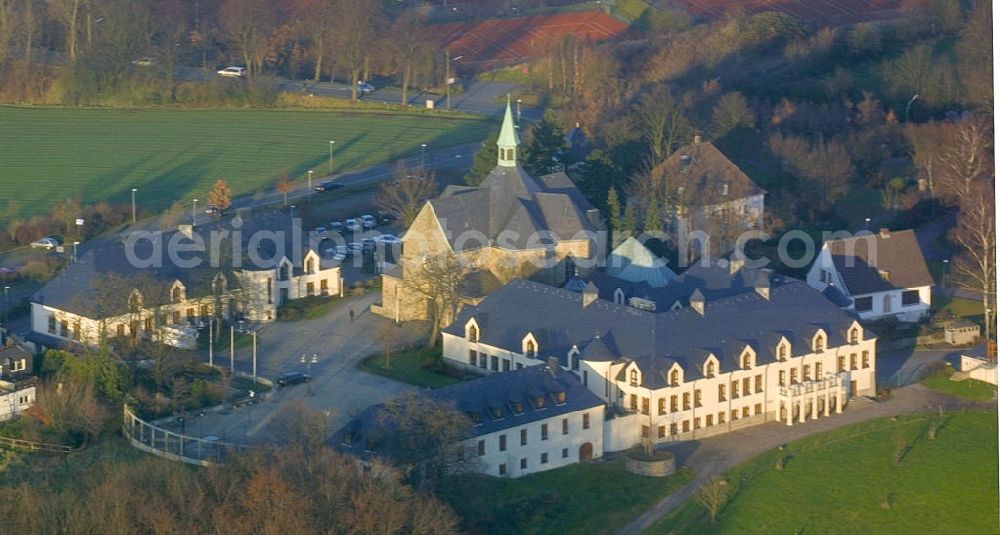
(816, 398)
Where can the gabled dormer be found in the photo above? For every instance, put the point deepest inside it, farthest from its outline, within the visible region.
(675, 375)
(633, 374)
(710, 368)
(820, 341)
(529, 346)
(783, 351)
(573, 358)
(310, 264)
(472, 330)
(748, 358)
(855, 333)
(178, 293)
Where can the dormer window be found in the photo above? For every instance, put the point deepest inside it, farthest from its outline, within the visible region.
(560, 398)
(746, 361)
(311, 266)
(176, 295)
(518, 407)
(854, 335)
(710, 369)
(530, 350)
(633, 377)
(474, 416)
(496, 412)
(675, 378)
(819, 342)
(782, 352)
(539, 402)
(473, 333)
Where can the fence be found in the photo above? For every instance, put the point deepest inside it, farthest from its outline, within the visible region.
(29, 445)
(174, 446)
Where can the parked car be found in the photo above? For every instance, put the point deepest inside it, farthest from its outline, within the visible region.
(45, 243)
(338, 253)
(352, 225)
(388, 239)
(329, 185)
(385, 218)
(368, 221)
(232, 72)
(364, 88)
(292, 378)
(214, 210)
(337, 226)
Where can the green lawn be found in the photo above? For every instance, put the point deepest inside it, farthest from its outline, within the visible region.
(837, 482)
(414, 366)
(963, 308)
(50, 154)
(968, 389)
(580, 498)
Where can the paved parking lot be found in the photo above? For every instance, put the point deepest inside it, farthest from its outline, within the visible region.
(338, 388)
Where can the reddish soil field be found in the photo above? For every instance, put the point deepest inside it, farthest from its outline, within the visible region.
(495, 42)
(820, 12)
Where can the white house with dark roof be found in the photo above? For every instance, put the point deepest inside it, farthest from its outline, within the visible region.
(881, 275)
(525, 421)
(776, 350)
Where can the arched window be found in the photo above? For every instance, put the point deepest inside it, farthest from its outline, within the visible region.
(782, 351)
(473, 333)
(819, 342)
(710, 369)
(854, 335)
(175, 294)
(530, 349)
(633, 377)
(746, 361)
(311, 266)
(675, 378)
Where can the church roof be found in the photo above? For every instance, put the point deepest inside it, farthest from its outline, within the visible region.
(708, 175)
(633, 262)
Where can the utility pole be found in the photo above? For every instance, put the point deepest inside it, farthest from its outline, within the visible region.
(254, 357)
(133, 204)
(210, 331)
(447, 78)
(232, 349)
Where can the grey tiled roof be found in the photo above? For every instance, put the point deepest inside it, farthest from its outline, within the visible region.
(479, 398)
(862, 261)
(511, 202)
(606, 331)
(710, 176)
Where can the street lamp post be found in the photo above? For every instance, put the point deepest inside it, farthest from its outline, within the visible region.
(518, 111)
(308, 363)
(133, 204)
(908, 104)
(310, 192)
(448, 80)
(423, 150)
(944, 274)
(194, 212)
(291, 212)
(868, 220)
(254, 357)
(331, 156)
(210, 341)
(74, 250)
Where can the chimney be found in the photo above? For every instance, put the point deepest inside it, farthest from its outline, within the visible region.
(589, 294)
(554, 366)
(697, 139)
(698, 301)
(762, 285)
(186, 230)
(884, 233)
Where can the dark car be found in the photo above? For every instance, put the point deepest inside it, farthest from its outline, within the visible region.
(385, 218)
(292, 378)
(329, 185)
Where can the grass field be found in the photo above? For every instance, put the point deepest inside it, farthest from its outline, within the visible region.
(576, 499)
(50, 154)
(409, 366)
(846, 481)
(968, 389)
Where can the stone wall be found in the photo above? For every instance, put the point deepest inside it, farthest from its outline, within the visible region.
(651, 468)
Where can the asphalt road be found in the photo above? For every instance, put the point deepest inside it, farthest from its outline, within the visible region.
(339, 388)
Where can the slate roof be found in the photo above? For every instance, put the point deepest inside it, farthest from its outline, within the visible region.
(510, 207)
(605, 331)
(74, 291)
(710, 176)
(479, 398)
(880, 262)
(633, 262)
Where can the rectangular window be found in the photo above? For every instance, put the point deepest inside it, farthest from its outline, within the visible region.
(722, 417)
(506, 365)
(524, 437)
(673, 429)
(840, 364)
(697, 398)
(722, 392)
(734, 415)
(176, 317)
(502, 469)
(324, 286)
(586, 421)
(633, 402)
(781, 377)
(494, 363)
(645, 431)
(673, 403)
(757, 409)
(758, 383)
(472, 357)
(746, 411)
(864, 359)
(545, 458)
(819, 370)
(310, 288)
(805, 372)
(482, 360)
(270, 298)
(687, 401)
(697, 423)
(911, 297)
(794, 377)
(189, 313)
(863, 304)
(545, 431)
(503, 442)
(686, 425)
(645, 405)
(565, 453)
(854, 361)
(481, 446)
(709, 420)
(734, 390)
(661, 406)
(148, 324)
(661, 431)
(524, 464)
(565, 426)
(746, 386)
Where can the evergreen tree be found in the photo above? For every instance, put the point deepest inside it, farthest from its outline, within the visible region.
(484, 161)
(597, 176)
(628, 223)
(547, 142)
(614, 211)
(652, 222)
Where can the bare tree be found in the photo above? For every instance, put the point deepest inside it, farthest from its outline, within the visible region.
(409, 48)
(298, 426)
(247, 24)
(387, 336)
(967, 160)
(438, 279)
(713, 497)
(318, 24)
(357, 23)
(976, 268)
(68, 13)
(662, 121)
(405, 195)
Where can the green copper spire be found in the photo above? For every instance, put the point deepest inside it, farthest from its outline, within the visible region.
(508, 142)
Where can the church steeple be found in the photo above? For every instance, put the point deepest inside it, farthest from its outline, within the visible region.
(508, 142)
